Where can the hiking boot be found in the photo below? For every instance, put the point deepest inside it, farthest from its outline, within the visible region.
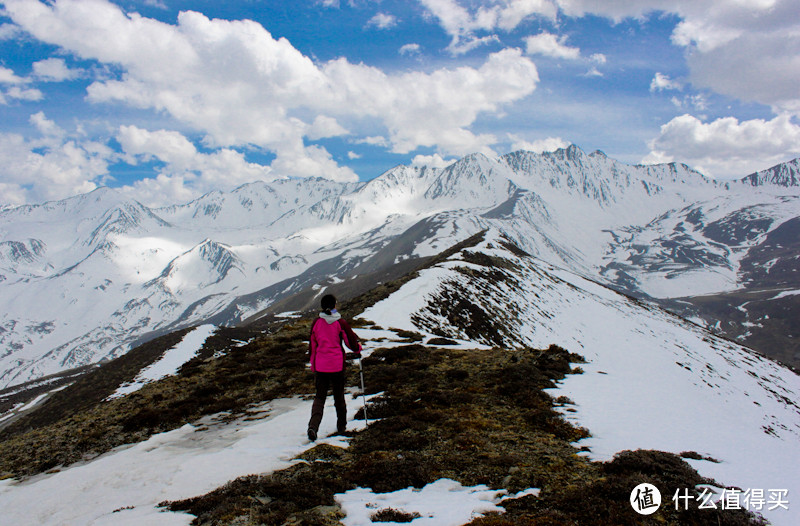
(312, 434)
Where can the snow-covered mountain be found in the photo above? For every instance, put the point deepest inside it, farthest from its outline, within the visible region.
(650, 381)
(785, 174)
(85, 278)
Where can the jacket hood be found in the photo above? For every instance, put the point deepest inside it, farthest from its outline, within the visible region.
(330, 318)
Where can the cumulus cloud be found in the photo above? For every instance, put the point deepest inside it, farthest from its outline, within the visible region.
(186, 172)
(432, 161)
(374, 140)
(463, 24)
(598, 58)
(53, 166)
(410, 49)
(662, 82)
(439, 107)
(20, 93)
(324, 127)
(7, 76)
(726, 148)
(235, 83)
(550, 144)
(45, 126)
(54, 70)
(550, 45)
(9, 31)
(382, 21)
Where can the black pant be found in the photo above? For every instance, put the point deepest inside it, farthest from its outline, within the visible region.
(323, 382)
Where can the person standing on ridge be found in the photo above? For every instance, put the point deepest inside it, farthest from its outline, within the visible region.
(328, 361)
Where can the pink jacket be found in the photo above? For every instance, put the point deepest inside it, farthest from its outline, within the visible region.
(325, 343)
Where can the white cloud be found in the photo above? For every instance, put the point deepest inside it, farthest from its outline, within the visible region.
(727, 148)
(353, 155)
(436, 109)
(29, 94)
(324, 127)
(662, 82)
(7, 76)
(51, 167)
(170, 147)
(433, 161)
(462, 24)
(593, 72)
(54, 70)
(9, 31)
(311, 161)
(550, 144)
(45, 126)
(374, 140)
(235, 83)
(382, 21)
(162, 190)
(598, 58)
(697, 102)
(550, 45)
(194, 172)
(410, 49)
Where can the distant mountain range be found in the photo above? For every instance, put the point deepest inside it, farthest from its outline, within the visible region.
(86, 278)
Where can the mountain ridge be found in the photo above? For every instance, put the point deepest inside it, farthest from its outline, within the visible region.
(651, 231)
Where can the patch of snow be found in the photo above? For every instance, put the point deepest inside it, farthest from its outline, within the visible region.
(786, 294)
(289, 314)
(442, 503)
(700, 282)
(34, 402)
(169, 363)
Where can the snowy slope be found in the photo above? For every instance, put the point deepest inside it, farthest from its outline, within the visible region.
(652, 380)
(85, 278)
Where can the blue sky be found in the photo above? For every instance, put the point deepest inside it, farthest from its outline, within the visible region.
(167, 100)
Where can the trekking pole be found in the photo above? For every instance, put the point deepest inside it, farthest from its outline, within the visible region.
(363, 392)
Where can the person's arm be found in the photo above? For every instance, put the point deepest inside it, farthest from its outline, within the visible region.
(312, 346)
(351, 339)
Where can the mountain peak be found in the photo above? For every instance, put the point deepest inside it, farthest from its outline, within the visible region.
(570, 153)
(785, 174)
